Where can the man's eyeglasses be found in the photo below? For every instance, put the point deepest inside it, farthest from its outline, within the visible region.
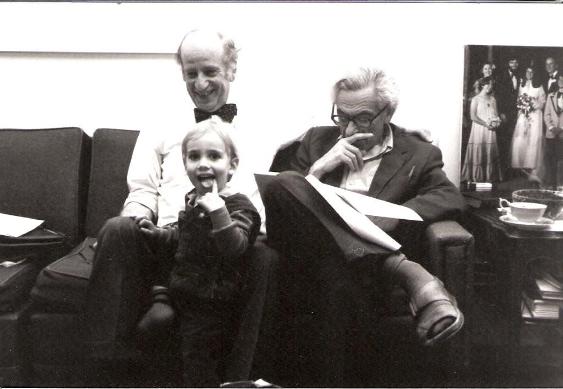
(361, 121)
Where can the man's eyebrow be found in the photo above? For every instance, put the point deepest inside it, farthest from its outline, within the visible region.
(364, 112)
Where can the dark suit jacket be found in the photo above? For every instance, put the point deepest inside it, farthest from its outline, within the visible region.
(545, 82)
(410, 174)
(506, 94)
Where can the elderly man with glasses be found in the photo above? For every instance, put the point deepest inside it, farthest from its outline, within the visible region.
(332, 268)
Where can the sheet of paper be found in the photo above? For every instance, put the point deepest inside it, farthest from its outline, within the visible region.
(16, 226)
(374, 207)
(262, 180)
(358, 222)
(363, 204)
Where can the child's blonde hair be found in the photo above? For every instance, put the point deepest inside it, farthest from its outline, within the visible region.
(217, 125)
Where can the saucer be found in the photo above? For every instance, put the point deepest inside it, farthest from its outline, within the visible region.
(542, 223)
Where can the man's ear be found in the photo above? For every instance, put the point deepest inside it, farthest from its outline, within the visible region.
(181, 63)
(231, 71)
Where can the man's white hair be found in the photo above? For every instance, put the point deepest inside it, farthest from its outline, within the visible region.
(385, 89)
(230, 52)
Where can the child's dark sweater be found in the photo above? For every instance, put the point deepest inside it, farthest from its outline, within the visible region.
(209, 263)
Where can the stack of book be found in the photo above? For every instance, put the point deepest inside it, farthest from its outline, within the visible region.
(543, 298)
(485, 199)
(479, 186)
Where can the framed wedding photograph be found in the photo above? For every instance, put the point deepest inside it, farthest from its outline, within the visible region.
(512, 117)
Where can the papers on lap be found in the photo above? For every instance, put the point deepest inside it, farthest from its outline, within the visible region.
(353, 208)
(16, 226)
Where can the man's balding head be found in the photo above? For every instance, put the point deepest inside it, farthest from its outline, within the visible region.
(209, 63)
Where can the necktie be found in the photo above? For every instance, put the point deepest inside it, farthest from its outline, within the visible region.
(227, 112)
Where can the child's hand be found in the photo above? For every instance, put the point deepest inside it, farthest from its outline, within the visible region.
(211, 200)
(146, 226)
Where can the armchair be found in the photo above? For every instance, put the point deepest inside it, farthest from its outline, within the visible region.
(389, 355)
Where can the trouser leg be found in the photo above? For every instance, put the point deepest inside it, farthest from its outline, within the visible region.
(123, 270)
(206, 332)
(320, 275)
(256, 342)
(300, 223)
(554, 153)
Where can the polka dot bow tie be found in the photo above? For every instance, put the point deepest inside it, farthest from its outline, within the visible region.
(227, 112)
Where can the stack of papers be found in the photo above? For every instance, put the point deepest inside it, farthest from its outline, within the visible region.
(16, 226)
(353, 207)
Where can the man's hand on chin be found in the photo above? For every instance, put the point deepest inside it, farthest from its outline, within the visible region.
(343, 152)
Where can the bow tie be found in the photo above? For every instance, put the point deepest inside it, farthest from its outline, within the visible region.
(227, 112)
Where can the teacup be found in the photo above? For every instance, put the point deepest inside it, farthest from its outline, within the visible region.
(523, 211)
(552, 199)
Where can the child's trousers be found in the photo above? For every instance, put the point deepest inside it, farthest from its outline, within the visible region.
(207, 331)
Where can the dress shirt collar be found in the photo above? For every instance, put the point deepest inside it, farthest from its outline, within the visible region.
(382, 148)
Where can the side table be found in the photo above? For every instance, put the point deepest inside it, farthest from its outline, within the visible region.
(509, 250)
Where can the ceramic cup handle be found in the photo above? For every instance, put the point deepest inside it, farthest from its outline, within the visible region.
(504, 204)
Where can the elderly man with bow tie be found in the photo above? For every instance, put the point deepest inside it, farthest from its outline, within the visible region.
(128, 280)
(553, 118)
(552, 71)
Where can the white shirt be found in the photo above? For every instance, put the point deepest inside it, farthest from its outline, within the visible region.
(157, 177)
(552, 79)
(514, 79)
(360, 181)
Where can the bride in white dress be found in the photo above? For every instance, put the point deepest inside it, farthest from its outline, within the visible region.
(481, 163)
(527, 141)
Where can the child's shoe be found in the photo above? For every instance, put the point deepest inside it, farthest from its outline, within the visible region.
(160, 317)
(432, 306)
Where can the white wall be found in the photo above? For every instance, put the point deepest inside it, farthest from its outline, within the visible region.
(112, 65)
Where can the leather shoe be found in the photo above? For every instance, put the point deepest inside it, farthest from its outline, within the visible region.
(430, 305)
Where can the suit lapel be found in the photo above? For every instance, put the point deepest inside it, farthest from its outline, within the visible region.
(390, 164)
(553, 102)
(334, 178)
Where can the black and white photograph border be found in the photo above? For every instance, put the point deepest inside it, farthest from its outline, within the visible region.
(510, 100)
(70, 69)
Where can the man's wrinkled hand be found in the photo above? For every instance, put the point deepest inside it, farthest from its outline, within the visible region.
(343, 152)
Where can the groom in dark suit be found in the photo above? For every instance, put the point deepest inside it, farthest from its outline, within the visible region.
(506, 93)
(333, 270)
(552, 71)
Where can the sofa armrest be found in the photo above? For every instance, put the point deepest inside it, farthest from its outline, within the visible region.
(451, 258)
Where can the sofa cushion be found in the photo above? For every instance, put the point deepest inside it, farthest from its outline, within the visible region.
(44, 175)
(14, 353)
(61, 286)
(111, 153)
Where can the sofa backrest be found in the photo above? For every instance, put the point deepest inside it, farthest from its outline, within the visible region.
(43, 175)
(111, 153)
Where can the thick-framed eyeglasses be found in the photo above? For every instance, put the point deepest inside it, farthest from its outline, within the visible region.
(361, 121)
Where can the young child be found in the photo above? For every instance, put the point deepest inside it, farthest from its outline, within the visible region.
(210, 241)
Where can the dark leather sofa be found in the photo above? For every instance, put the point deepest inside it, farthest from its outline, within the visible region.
(85, 185)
